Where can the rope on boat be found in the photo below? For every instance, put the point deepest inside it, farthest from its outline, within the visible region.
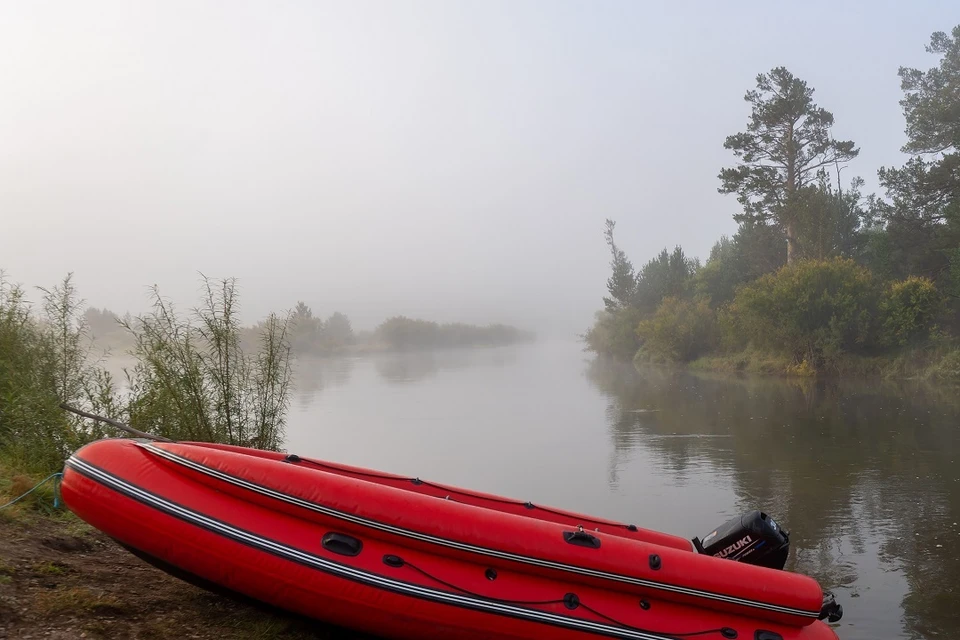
(56, 477)
(570, 601)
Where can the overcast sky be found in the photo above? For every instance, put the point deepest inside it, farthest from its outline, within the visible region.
(448, 160)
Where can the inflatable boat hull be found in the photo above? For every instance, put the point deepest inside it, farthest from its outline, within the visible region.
(402, 558)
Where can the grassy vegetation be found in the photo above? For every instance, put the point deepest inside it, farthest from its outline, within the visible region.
(193, 380)
(926, 364)
(195, 377)
(77, 600)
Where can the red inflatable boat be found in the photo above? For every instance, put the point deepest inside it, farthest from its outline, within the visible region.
(403, 558)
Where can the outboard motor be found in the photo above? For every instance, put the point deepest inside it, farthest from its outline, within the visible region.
(753, 538)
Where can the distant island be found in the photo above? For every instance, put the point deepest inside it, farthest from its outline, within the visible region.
(311, 334)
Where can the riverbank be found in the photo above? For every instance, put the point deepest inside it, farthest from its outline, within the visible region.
(61, 579)
(936, 367)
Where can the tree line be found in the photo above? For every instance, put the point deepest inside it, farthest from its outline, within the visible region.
(818, 276)
(314, 335)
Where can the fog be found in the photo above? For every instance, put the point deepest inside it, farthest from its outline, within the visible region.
(445, 160)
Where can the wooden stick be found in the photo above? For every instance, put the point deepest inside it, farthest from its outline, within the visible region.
(114, 423)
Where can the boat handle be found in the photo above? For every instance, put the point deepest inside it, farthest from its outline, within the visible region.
(581, 538)
(342, 544)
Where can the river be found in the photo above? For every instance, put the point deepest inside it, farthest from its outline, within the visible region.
(863, 475)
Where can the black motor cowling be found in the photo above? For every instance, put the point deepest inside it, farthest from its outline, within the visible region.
(753, 538)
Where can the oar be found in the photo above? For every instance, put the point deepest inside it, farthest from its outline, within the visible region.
(114, 423)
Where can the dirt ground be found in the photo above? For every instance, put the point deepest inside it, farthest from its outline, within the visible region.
(60, 579)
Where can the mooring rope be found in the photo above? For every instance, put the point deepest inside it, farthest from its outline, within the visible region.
(56, 477)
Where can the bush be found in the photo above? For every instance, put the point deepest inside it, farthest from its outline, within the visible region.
(614, 334)
(193, 380)
(679, 331)
(948, 369)
(812, 310)
(907, 309)
(46, 359)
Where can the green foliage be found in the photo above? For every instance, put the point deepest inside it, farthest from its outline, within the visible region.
(406, 334)
(679, 331)
(614, 334)
(762, 248)
(828, 222)
(193, 380)
(931, 97)
(756, 249)
(907, 310)
(948, 368)
(719, 277)
(922, 214)
(622, 283)
(46, 359)
(30, 422)
(812, 310)
(669, 274)
(786, 145)
(877, 253)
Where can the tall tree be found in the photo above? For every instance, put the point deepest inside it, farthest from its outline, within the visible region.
(622, 283)
(923, 211)
(786, 145)
(930, 182)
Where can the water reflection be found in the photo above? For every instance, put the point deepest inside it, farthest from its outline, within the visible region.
(407, 367)
(313, 374)
(863, 475)
(412, 367)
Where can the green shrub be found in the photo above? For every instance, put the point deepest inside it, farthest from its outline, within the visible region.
(45, 359)
(813, 310)
(948, 369)
(907, 310)
(614, 334)
(194, 381)
(679, 330)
